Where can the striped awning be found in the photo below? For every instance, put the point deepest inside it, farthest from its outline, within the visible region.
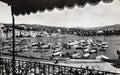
(32, 6)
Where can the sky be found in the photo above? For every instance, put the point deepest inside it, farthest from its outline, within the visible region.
(90, 16)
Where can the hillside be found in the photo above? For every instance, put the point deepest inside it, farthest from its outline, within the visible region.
(110, 27)
(43, 27)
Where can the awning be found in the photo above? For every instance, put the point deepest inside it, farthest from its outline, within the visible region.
(32, 6)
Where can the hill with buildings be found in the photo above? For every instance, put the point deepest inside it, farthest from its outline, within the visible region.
(106, 30)
(38, 27)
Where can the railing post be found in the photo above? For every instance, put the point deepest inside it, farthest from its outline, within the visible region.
(35, 68)
(45, 69)
(2, 66)
(48, 70)
(39, 68)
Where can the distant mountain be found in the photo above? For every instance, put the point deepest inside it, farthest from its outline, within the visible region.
(110, 27)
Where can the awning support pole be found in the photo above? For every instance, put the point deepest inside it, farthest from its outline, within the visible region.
(13, 42)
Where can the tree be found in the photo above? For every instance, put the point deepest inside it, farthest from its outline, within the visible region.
(29, 29)
(6, 30)
(21, 27)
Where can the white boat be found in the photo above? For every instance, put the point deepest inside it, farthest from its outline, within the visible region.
(105, 46)
(57, 54)
(93, 51)
(103, 49)
(82, 41)
(86, 50)
(57, 47)
(76, 55)
(6, 47)
(75, 46)
(104, 43)
(86, 55)
(26, 49)
(45, 46)
(73, 42)
(34, 43)
(99, 57)
(57, 50)
(99, 44)
(89, 41)
(105, 57)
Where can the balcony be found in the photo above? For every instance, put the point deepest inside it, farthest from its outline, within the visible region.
(24, 67)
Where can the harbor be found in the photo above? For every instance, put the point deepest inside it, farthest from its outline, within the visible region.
(35, 51)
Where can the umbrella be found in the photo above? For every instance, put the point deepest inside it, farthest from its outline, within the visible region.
(32, 6)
